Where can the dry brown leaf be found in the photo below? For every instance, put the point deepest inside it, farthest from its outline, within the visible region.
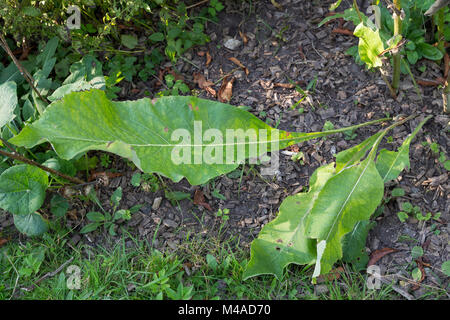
(334, 274)
(202, 83)
(211, 91)
(175, 75)
(378, 254)
(208, 58)
(201, 53)
(343, 31)
(239, 64)
(72, 214)
(104, 177)
(199, 199)
(3, 241)
(244, 37)
(226, 90)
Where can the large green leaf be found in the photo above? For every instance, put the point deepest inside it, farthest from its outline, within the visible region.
(354, 245)
(84, 75)
(354, 154)
(22, 189)
(32, 224)
(165, 137)
(8, 102)
(391, 163)
(370, 45)
(349, 196)
(282, 241)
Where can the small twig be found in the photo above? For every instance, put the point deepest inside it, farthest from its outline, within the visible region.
(190, 62)
(226, 75)
(22, 70)
(397, 289)
(8, 145)
(196, 4)
(48, 275)
(19, 157)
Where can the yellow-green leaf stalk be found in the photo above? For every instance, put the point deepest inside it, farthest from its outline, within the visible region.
(396, 54)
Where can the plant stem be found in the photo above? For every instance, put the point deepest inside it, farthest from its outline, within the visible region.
(393, 93)
(446, 94)
(21, 158)
(355, 5)
(440, 28)
(396, 54)
(23, 71)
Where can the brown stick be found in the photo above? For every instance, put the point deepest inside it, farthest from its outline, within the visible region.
(196, 4)
(19, 157)
(22, 70)
(6, 143)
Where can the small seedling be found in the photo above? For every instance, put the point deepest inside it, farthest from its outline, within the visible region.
(350, 135)
(299, 156)
(223, 214)
(105, 161)
(106, 219)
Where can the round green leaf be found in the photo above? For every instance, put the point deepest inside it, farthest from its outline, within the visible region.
(22, 189)
(59, 205)
(156, 37)
(31, 224)
(129, 41)
(429, 52)
(446, 268)
(412, 56)
(416, 252)
(417, 274)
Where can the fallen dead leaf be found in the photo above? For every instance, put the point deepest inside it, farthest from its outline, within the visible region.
(104, 177)
(294, 148)
(302, 54)
(334, 274)
(201, 53)
(244, 37)
(175, 75)
(226, 90)
(201, 81)
(239, 64)
(204, 84)
(72, 214)
(378, 254)
(343, 31)
(199, 199)
(431, 83)
(288, 85)
(3, 241)
(208, 58)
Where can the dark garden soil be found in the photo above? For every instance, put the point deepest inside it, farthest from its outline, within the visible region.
(283, 45)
